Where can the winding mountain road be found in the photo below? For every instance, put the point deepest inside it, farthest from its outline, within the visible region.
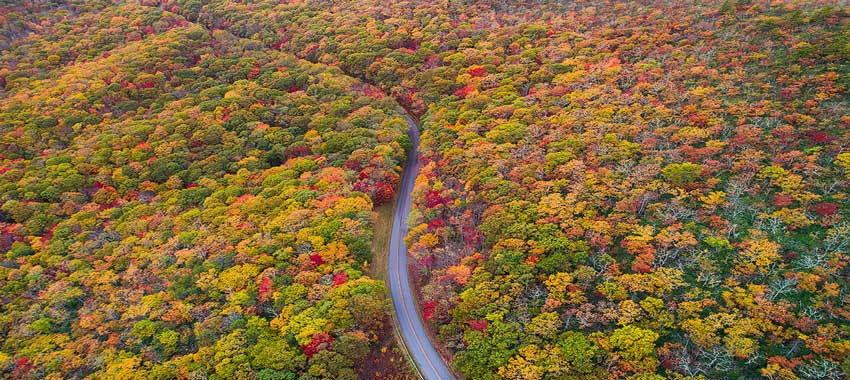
(428, 362)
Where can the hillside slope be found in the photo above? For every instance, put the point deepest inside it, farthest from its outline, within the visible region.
(617, 190)
(180, 203)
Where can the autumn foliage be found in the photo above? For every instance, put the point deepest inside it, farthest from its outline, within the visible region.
(170, 208)
(617, 190)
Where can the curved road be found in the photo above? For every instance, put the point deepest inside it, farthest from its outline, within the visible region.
(428, 362)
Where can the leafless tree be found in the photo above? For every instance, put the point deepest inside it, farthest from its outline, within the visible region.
(822, 369)
(781, 286)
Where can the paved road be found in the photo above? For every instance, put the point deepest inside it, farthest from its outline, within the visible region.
(430, 365)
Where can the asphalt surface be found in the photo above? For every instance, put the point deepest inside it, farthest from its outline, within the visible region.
(429, 363)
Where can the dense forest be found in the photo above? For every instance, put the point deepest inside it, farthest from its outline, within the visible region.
(609, 189)
(180, 203)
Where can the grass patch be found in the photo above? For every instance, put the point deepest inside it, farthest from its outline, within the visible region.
(383, 216)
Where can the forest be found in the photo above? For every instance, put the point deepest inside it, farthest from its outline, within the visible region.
(611, 189)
